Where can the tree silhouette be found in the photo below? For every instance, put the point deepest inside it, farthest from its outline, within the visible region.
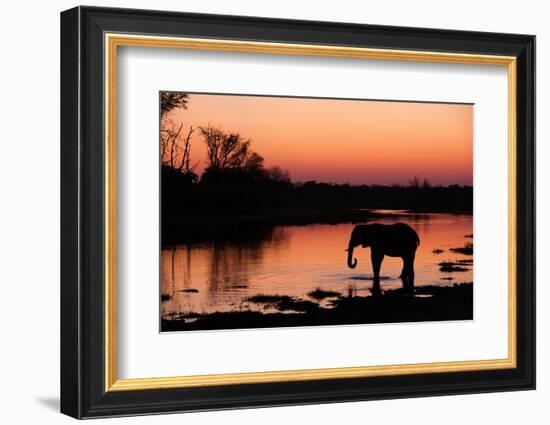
(229, 151)
(176, 148)
(278, 175)
(415, 183)
(171, 101)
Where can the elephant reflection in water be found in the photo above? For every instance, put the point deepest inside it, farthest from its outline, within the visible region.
(393, 240)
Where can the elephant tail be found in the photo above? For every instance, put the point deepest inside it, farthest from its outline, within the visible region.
(417, 239)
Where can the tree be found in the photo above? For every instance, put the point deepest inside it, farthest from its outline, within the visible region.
(278, 175)
(414, 183)
(172, 100)
(176, 148)
(426, 184)
(186, 156)
(253, 163)
(229, 151)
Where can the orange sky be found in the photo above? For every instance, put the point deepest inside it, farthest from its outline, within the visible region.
(343, 141)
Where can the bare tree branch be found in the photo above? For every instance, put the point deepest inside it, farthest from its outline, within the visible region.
(186, 151)
(174, 146)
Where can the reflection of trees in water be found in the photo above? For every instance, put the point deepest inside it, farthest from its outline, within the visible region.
(187, 268)
(229, 265)
(419, 217)
(278, 237)
(173, 270)
(230, 261)
(420, 222)
(172, 274)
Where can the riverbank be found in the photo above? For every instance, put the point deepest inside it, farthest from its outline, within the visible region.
(429, 303)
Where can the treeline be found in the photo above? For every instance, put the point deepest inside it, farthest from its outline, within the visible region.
(238, 191)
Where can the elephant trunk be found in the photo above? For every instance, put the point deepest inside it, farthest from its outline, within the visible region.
(351, 263)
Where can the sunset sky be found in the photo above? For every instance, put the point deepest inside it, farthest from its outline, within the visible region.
(343, 141)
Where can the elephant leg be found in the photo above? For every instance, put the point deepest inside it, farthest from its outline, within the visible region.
(408, 278)
(411, 271)
(376, 259)
(403, 271)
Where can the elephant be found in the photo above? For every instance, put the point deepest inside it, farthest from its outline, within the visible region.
(394, 240)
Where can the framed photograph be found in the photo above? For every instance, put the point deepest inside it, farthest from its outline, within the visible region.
(261, 212)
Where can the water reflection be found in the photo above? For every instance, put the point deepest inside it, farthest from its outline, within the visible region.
(295, 260)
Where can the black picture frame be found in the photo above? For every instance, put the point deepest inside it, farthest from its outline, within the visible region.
(83, 392)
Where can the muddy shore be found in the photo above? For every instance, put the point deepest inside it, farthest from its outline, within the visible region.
(429, 303)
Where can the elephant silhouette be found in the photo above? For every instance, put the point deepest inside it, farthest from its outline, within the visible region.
(393, 240)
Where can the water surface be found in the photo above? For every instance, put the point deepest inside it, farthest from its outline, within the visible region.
(295, 260)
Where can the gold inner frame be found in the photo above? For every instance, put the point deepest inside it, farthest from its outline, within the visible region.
(112, 41)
